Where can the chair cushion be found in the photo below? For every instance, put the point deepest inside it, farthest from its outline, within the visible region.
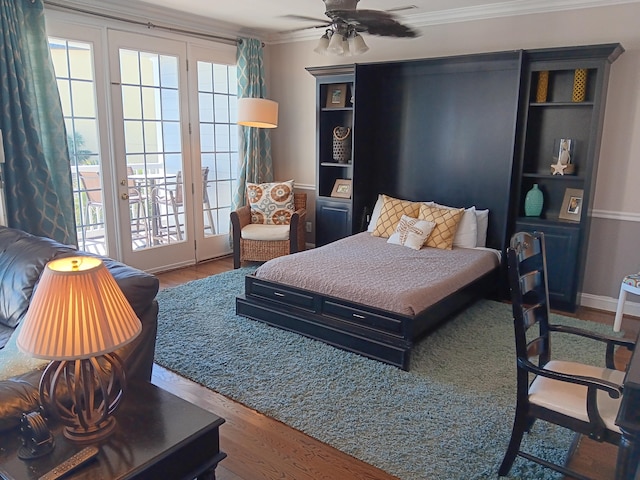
(633, 280)
(256, 231)
(571, 399)
(271, 203)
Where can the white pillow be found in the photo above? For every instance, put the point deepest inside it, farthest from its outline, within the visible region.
(482, 217)
(375, 214)
(411, 232)
(467, 232)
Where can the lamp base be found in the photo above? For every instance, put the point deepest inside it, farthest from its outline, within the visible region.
(92, 434)
(83, 394)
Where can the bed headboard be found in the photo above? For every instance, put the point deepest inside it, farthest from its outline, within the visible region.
(444, 130)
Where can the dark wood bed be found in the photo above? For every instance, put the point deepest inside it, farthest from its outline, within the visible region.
(465, 161)
(372, 332)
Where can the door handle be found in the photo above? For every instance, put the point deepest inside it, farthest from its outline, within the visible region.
(124, 196)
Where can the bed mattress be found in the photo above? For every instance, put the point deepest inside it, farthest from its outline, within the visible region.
(367, 270)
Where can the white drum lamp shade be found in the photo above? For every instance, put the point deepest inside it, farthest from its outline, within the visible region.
(257, 112)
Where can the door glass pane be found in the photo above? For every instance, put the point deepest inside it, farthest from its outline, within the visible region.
(153, 147)
(217, 95)
(73, 66)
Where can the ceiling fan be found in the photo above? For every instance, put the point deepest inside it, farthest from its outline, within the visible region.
(342, 35)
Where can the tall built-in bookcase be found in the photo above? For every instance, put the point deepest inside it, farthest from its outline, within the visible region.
(335, 93)
(563, 96)
(471, 130)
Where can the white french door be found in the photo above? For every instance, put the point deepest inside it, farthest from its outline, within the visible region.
(151, 130)
(215, 146)
(153, 190)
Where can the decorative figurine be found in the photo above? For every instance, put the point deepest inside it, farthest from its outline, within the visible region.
(563, 161)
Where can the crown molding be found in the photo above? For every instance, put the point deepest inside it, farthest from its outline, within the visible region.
(509, 9)
(153, 15)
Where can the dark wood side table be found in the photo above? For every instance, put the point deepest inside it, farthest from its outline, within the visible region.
(158, 435)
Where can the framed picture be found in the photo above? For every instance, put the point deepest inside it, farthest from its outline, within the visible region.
(336, 95)
(342, 188)
(571, 205)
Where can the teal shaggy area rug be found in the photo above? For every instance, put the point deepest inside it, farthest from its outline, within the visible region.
(449, 417)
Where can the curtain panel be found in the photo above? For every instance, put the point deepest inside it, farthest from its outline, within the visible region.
(255, 143)
(37, 170)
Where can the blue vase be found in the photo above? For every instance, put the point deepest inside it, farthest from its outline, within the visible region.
(533, 202)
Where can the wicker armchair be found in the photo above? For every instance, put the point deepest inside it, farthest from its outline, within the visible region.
(262, 250)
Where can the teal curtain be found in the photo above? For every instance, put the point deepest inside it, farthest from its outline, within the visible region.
(37, 171)
(254, 154)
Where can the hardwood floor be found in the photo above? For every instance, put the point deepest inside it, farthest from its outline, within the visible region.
(259, 447)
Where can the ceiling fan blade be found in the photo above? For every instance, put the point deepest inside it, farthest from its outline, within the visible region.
(304, 18)
(320, 23)
(376, 22)
(311, 27)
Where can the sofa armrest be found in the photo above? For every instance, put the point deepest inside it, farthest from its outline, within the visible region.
(138, 355)
(17, 396)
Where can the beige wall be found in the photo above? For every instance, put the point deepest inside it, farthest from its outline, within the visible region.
(616, 197)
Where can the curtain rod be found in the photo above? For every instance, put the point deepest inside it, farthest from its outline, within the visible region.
(149, 25)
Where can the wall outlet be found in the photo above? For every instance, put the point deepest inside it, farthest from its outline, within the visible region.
(308, 227)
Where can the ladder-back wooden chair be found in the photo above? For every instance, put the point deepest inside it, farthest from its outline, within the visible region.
(582, 398)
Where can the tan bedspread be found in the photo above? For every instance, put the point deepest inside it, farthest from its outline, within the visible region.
(368, 270)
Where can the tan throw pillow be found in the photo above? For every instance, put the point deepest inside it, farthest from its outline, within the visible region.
(271, 203)
(446, 220)
(411, 232)
(391, 213)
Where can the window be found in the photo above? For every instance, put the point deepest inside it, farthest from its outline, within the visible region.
(217, 105)
(73, 65)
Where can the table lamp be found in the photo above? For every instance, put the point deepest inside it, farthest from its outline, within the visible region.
(78, 317)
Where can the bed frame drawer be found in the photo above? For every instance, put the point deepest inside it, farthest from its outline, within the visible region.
(280, 294)
(362, 317)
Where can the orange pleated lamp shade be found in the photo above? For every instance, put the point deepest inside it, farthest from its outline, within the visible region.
(77, 311)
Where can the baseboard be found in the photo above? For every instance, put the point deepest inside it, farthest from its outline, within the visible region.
(609, 304)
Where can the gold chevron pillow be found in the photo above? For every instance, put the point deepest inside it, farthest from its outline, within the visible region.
(391, 213)
(446, 220)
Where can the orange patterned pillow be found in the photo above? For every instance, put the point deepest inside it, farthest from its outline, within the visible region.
(271, 203)
(391, 213)
(446, 220)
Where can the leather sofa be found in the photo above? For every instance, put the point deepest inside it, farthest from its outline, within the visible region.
(22, 261)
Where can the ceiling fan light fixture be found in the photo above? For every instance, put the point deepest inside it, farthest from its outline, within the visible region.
(345, 47)
(356, 44)
(336, 44)
(323, 43)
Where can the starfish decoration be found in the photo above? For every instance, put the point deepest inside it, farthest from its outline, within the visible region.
(558, 168)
